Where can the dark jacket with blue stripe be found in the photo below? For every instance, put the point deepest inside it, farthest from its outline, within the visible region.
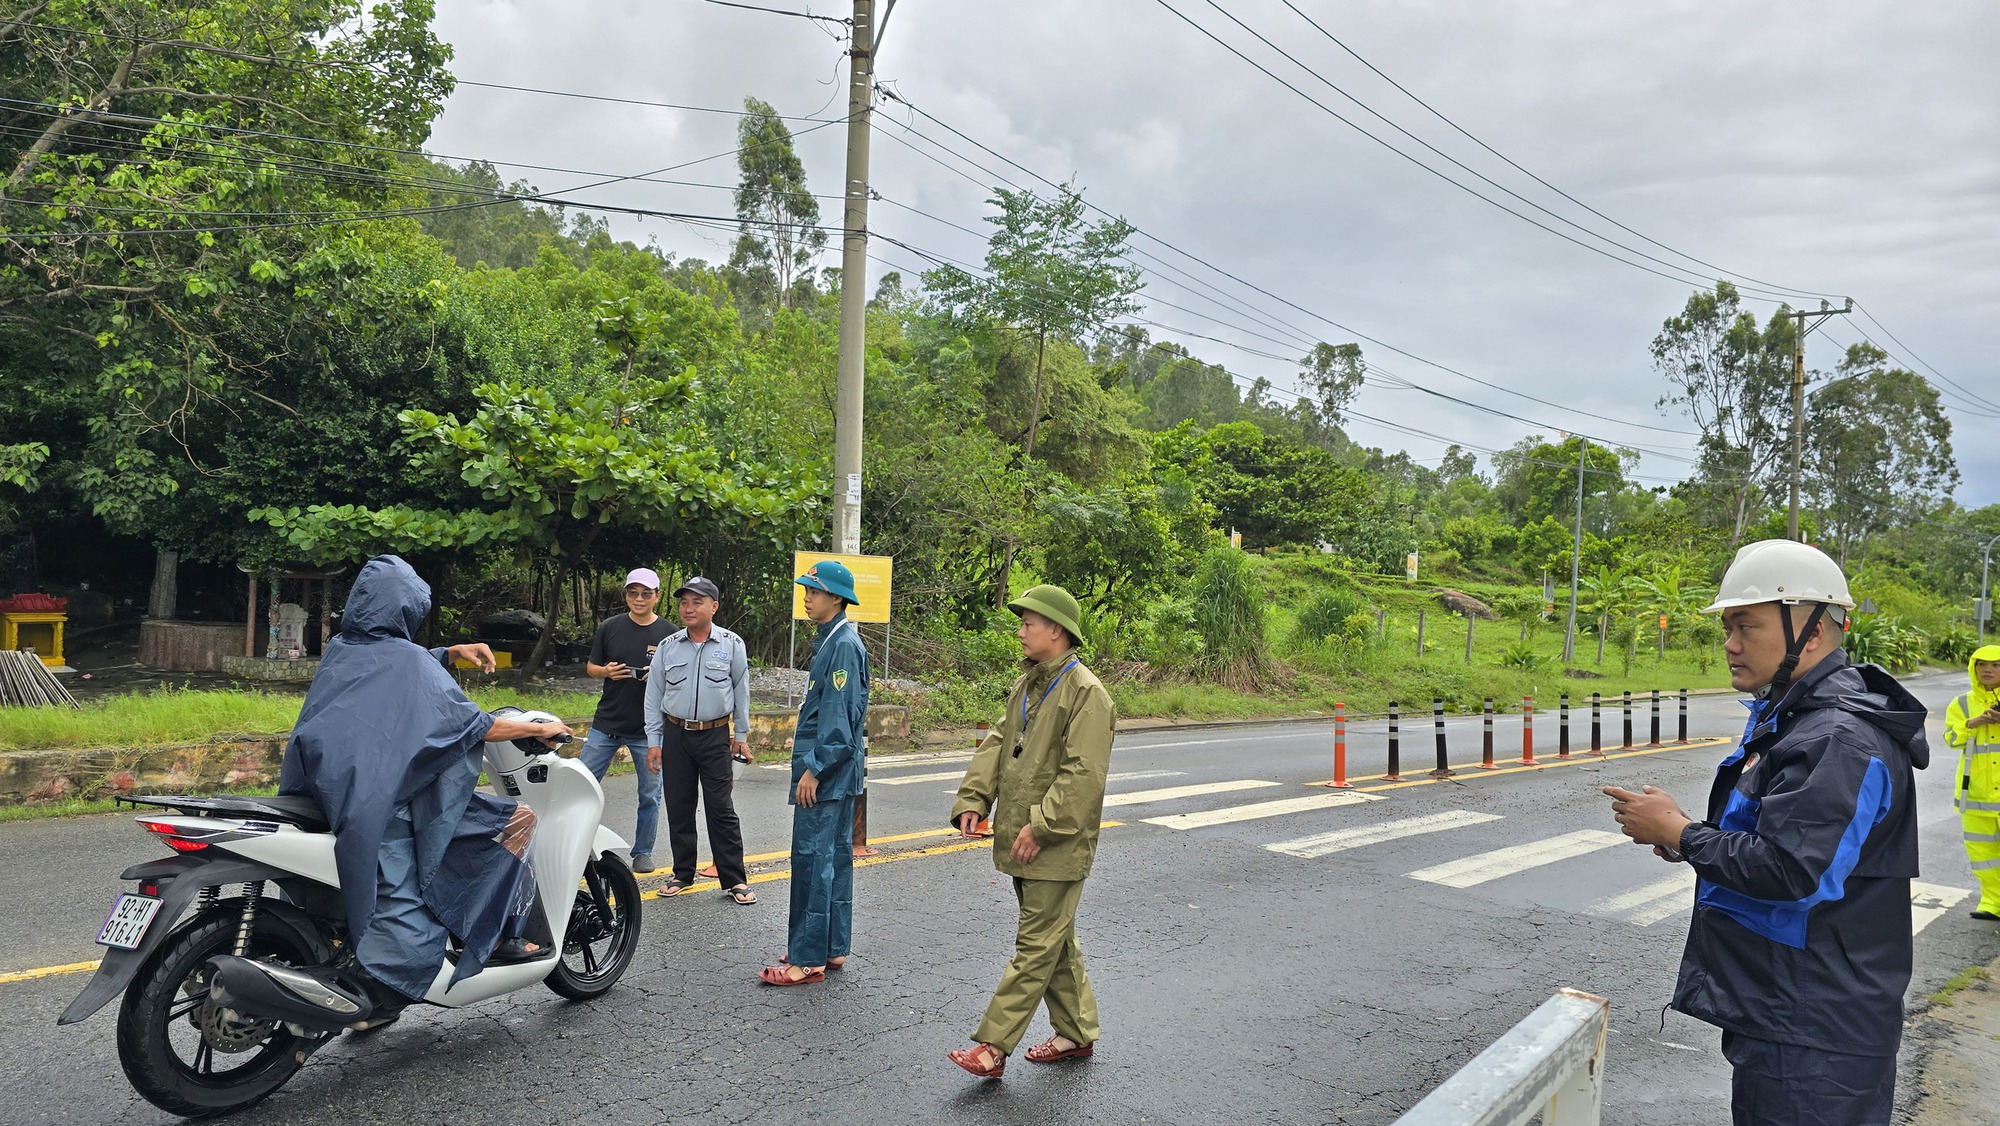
(1801, 929)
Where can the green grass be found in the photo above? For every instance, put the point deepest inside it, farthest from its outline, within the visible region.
(1959, 981)
(184, 715)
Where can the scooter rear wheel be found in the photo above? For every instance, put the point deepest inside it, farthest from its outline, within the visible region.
(177, 1050)
(603, 931)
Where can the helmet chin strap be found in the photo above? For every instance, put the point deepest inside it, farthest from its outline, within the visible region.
(1795, 646)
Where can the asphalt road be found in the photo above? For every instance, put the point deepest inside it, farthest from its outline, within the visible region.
(1253, 963)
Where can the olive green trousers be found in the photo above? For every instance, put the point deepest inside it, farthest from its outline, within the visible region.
(1047, 967)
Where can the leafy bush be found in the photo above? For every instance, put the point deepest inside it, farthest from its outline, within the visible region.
(1520, 655)
(1167, 638)
(1886, 640)
(1331, 614)
(1229, 611)
(1953, 644)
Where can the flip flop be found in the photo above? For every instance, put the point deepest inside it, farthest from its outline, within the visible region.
(1047, 1052)
(672, 886)
(968, 1058)
(781, 975)
(742, 894)
(831, 963)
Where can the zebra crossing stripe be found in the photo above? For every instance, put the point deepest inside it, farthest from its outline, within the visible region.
(1232, 813)
(907, 779)
(1929, 901)
(1169, 793)
(1488, 866)
(1137, 775)
(1340, 840)
(1649, 903)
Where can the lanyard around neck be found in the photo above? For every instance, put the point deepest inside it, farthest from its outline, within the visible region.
(1045, 696)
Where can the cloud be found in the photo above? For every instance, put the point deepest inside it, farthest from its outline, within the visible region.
(1849, 153)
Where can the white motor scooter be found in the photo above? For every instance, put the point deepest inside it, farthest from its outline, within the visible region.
(223, 1007)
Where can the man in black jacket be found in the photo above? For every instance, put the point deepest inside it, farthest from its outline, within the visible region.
(1800, 945)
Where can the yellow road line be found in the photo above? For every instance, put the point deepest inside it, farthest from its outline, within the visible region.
(47, 971)
(865, 862)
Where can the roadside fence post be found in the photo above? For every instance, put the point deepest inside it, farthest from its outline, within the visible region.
(1562, 729)
(1628, 719)
(1596, 728)
(1437, 723)
(1527, 731)
(1486, 737)
(1684, 717)
(1340, 781)
(1381, 624)
(1395, 748)
(1469, 620)
(1656, 719)
(980, 733)
(1420, 635)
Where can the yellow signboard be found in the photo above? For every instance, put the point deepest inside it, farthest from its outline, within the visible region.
(872, 574)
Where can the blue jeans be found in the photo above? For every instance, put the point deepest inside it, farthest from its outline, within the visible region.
(822, 918)
(598, 747)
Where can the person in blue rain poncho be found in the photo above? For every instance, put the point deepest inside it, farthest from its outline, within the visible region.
(828, 769)
(390, 747)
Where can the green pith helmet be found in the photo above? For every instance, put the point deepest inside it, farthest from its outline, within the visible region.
(1055, 604)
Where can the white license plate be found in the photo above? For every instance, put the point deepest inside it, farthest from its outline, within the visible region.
(130, 917)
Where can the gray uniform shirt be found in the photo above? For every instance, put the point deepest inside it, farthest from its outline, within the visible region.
(698, 683)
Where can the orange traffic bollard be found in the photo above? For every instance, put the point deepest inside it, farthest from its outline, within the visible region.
(1340, 781)
(1528, 731)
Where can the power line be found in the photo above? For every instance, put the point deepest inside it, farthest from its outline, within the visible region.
(1461, 131)
(1678, 278)
(1245, 283)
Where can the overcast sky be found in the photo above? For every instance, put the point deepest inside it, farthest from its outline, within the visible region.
(1844, 148)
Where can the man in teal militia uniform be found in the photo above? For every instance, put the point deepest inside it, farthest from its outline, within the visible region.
(828, 767)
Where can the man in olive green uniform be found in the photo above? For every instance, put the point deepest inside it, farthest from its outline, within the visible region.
(1042, 777)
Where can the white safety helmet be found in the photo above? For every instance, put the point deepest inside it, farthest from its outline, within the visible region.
(1790, 574)
(1781, 571)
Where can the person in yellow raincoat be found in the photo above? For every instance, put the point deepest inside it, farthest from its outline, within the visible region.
(1972, 724)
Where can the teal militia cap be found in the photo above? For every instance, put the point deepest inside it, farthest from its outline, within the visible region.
(832, 577)
(1055, 604)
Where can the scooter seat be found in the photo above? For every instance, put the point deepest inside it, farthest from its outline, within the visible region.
(292, 809)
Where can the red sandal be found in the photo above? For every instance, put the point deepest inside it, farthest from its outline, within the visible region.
(1047, 1052)
(781, 975)
(968, 1058)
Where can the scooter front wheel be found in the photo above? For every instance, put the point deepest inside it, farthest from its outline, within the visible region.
(185, 1055)
(603, 931)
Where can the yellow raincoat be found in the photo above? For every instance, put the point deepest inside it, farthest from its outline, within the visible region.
(1977, 793)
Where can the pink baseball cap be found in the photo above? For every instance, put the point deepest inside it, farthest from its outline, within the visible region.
(644, 576)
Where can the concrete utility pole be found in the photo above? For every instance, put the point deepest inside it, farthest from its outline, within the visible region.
(1983, 610)
(1799, 395)
(854, 285)
(1576, 553)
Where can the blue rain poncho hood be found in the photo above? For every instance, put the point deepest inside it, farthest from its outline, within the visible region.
(386, 729)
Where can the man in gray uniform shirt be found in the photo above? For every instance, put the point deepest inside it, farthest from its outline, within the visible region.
(699, 685)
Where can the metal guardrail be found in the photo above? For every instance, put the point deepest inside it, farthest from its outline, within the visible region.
(1550, 1065)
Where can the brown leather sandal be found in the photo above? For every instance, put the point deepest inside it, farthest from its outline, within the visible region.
(1047, 1052)
(969, 1059)
(782, 975)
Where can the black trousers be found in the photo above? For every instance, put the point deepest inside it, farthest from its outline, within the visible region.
(691, 759)
(1788, 1085)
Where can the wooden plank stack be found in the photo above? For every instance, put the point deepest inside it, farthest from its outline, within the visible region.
(26, 683)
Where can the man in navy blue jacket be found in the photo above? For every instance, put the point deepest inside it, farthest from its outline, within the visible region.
(828, 769)
(1800, 945)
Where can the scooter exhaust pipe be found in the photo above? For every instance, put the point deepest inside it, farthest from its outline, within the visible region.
(313, 999)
